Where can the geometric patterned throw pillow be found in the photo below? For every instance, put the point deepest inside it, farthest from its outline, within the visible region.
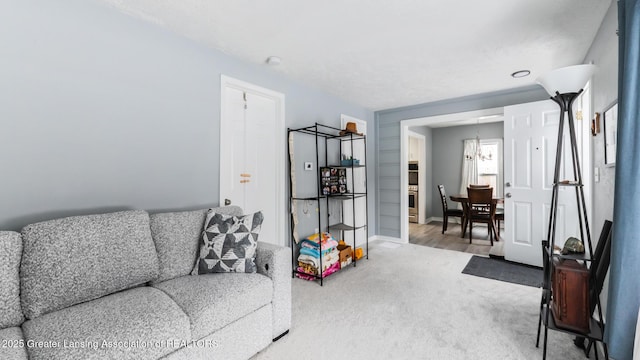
(228, 243)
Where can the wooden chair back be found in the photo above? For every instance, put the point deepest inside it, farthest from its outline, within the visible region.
(478, 186)
(481, 201)
(443, 198)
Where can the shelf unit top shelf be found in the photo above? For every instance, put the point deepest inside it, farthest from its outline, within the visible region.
(328, 132)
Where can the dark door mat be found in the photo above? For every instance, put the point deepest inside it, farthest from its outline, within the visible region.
(504, 271)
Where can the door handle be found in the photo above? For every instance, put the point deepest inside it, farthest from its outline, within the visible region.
(227, 202)
(508, 195)
(508, 184)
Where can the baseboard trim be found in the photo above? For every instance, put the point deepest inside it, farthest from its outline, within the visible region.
(386, 238)
(451, 219)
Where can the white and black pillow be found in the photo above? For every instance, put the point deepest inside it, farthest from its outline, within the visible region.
(228, 243)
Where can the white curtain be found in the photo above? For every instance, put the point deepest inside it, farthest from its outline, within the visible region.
(469, 165)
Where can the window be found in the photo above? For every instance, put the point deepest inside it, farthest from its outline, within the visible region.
(490, 165)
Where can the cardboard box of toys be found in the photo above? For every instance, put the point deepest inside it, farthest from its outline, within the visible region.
(346, 254)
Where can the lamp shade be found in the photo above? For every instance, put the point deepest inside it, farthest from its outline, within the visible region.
(568, 79)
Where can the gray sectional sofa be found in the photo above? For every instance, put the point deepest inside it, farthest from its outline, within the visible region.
(118, 286)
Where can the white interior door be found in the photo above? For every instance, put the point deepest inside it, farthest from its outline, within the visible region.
(531, 133)
(360, 185)
(252, 152)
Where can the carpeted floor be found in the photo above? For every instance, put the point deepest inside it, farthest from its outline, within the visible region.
(504, 271)
(413, 302)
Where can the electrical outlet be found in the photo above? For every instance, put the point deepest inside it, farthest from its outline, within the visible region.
(308, 166)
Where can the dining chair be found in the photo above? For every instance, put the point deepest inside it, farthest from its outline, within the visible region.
(499, 217)
(481, 209)
(478, 186)
(446, 212)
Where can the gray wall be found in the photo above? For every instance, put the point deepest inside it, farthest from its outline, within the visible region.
(100, 112)
(388, 143)
(448, 150)
(604, 54)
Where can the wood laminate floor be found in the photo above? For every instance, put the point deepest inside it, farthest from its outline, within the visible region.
(431, 235)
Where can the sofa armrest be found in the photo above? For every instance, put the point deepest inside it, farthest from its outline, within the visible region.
(275, 262)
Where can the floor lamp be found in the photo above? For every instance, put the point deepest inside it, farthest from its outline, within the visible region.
(564, 85)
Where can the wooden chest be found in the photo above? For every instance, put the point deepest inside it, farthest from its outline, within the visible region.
(570, 306)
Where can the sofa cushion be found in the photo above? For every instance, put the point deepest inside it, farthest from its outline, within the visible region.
(76, 259)
(176, 235)
(228, 243)
(212, 301)
(13, 344)
(140, 323)
(10, 254)
(239, 340)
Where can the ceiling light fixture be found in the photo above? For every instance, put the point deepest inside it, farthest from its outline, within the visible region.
(520, 74)
(274, 60)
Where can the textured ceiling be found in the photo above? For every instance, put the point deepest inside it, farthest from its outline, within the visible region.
(386, 54)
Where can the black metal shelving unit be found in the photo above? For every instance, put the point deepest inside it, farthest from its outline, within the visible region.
(596, 328)
(328, 138)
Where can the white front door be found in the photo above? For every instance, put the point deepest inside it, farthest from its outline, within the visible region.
(252, 152)
(530, 141)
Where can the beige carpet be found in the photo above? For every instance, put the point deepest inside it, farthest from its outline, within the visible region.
(413, 302)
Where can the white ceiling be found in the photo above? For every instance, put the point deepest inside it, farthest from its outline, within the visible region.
(386, 54)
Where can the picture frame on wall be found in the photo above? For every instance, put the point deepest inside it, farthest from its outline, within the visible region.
(610, 133)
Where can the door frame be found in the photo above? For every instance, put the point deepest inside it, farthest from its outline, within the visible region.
(404, 156)
(422, 181)
(280, 128)
(586, 156)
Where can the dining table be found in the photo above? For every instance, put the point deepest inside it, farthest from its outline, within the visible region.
(464, 200)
